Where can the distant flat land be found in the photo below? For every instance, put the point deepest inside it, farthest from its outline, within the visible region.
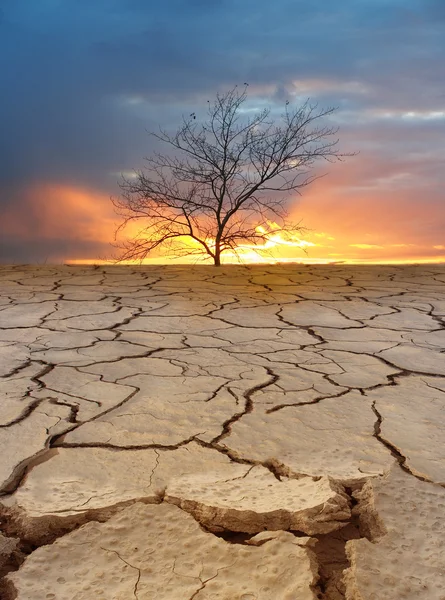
(234, 433)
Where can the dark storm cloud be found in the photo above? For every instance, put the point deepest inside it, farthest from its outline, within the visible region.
(84, 79)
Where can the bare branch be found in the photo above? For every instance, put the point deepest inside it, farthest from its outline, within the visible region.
(219, 187)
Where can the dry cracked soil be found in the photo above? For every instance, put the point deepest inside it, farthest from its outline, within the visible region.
(241, 433)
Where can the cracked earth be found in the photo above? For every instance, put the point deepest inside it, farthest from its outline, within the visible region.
(242, 433)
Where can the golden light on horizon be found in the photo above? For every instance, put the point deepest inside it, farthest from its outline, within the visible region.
(268, 250)
(271, 252)
(339, 231)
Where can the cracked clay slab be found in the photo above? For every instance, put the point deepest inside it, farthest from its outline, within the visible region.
(413, 423)
(159, 551)
(334, 437)
(27, 438)
(406, 560)
(254, 500)
(75, 483)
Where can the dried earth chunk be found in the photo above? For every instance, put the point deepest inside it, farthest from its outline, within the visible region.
(254, 500)
(159, 551)
(404, 517)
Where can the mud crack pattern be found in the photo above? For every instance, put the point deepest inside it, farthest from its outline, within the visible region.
(247, 433)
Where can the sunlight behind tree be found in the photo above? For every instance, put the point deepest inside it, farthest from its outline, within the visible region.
(226, 181)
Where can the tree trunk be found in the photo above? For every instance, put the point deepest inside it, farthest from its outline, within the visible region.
(217, 255)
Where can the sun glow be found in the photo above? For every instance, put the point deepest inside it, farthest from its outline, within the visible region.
(269, 247)
(274, 246)
(83, 218)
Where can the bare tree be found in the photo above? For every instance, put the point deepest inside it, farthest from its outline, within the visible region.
(226, 180)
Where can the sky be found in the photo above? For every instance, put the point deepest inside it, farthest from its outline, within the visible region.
(83, 81)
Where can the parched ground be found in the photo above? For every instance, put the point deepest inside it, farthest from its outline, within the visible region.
(241, 433)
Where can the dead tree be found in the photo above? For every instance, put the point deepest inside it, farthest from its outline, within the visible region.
(226, 180)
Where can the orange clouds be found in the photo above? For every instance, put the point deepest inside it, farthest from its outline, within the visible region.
(52, 222)
(57, 220)
(347, 222)
(73, 212)
(376, 211)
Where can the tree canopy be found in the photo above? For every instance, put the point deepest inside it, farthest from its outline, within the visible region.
(225, 179)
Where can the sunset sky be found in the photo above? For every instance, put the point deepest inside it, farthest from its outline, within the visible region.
(83, 81)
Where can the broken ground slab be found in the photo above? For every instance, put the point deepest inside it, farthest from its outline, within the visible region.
(358, 309)
(295, 386)
(108, 351)
(361, 339)
(67, 309)
(413, 423)
(406, 559)
(69, 486)
(178, 305)
(350, 369)
(65, 340)
(219, 493)
(162, 417)
(359, 370)
(86, 391)
(107, 318)
(179, 402)
(25, 315)
(12, 357)
(153, 341)
(263, 316)
(427, 340)
(239, 336)
(310, 314)
(26, 439)
(120, 370)
(334, 437)
(416, 359)
(182, 325)
(159, 551)
(10, 555)
(15, 392)
(404, 319)
(215, 362)
(254, 500)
